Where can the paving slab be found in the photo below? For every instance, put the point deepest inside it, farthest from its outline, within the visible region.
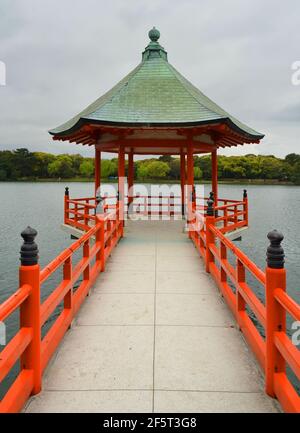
(203, 359)
(118, 309)
(178, 264)
(103, 357)
(192, 310)
(91, 402)
(212, 402)
(126, 282)
(131, 263)
(197, 282)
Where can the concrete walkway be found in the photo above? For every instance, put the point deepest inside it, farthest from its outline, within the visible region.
(155, 335)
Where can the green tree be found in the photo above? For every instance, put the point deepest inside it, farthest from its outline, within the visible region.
(197, 173)
(292, 158)
(174, 165)
(295, 175)
(61, 167)
(86, 168)
(40, 164)
(76, 162)
(230, 169)
(23, 162)
(108, 168)
(142, 172)
(153, 170)
(204, 163)
(166, 158)
(273, 168)
(6, 164)
(158, 170)
(3, 174)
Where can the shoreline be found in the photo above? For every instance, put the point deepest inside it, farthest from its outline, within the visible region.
(160, 181)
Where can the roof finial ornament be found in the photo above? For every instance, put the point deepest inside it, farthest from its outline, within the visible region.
(154, 34)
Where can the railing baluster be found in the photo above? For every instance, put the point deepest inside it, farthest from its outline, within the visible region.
(225, 223)
(66, 205)
(160, 205)
(210, 238)
(67, 276)
(245, 207)
(149, 207)
(86, 214)
(235, 217)
(100, 236)
(171, 204)
(223, 255)
(109, 233)
(240, 302)
(76, 213)
(86, 255)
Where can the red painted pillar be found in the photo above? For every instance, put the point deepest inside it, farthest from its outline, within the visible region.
(121, 176)
(97, 169)
(214, 175)
(30, 310)
(130, 177)
(190, 182)
(275, 314)
(182, 181)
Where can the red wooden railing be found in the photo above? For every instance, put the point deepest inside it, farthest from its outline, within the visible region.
(232, 214)
(157, 205)
(275, 351)
(33, 351)
(79, 212)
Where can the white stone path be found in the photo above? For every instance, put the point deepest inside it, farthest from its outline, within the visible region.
(154, 336)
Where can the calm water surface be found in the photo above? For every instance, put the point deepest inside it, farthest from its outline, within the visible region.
(40, 205)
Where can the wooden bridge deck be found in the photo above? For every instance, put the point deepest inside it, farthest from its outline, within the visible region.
(154, 336)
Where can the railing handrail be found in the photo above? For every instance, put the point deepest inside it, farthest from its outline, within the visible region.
(83, 204)
(10, 305)
(230, 205)
(248, 263)
(288, 303)
(218, 199)
(51, 267)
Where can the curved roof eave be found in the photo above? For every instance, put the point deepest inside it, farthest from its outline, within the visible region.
(86, 121)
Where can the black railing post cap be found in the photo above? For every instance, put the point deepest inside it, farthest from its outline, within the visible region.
(210, 207)
(66, 190)
(29, 249)
(275, 252)
(245, 194)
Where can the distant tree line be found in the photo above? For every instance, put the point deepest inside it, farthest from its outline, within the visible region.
(20, 164)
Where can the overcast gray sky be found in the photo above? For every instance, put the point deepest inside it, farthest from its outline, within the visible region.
(60, 55)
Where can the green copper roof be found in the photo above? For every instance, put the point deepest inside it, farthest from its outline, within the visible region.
(154, 93)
